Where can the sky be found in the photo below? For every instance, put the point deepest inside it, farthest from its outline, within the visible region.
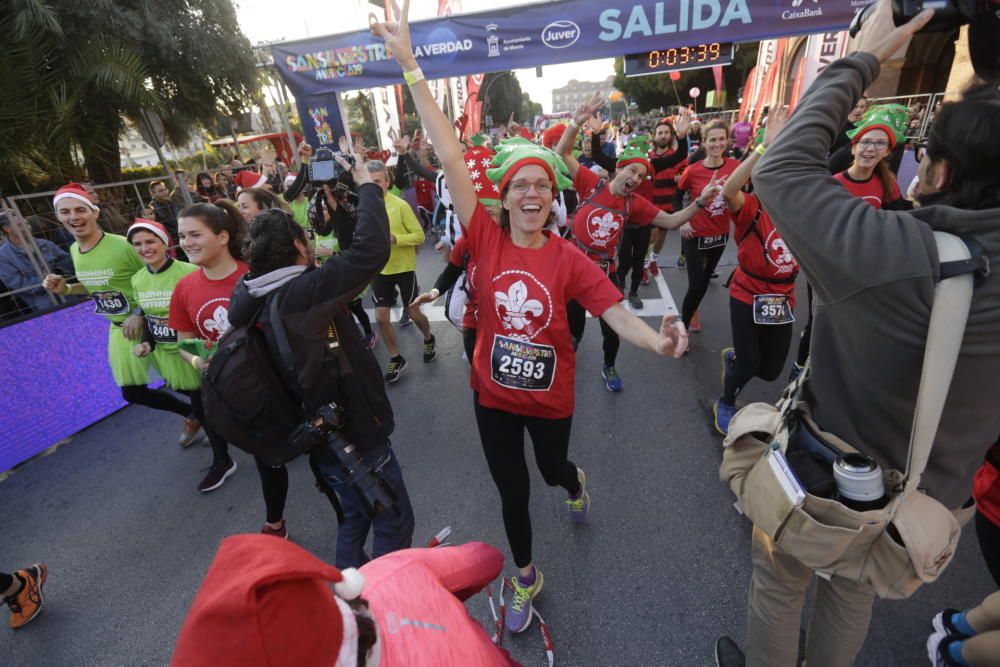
(269, 21)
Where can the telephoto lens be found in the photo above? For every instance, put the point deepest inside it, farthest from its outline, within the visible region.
(859, 482)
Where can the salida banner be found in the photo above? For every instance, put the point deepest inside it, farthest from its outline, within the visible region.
(549, 33)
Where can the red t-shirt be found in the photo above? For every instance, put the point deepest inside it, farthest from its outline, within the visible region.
(598, 223)
(458, 257)
(871, 190)
(762, 252)
(714, 219)
(986, 488)
(202, 305)
(524, 361)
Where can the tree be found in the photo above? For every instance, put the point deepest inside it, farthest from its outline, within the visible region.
(73, 70)
(657, 90)
(361, 118)
(529, 109)
(502, 97)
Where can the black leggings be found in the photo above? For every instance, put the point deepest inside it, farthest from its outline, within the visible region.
(469, 341)
(6, 580)
(989, 543)
(632, 254)
(358, 308)
(158, 399)
(502, 434)
(700, 267)
(220, 449)
(761, 349)
(274, 484)
(577, 318)
(805, 341)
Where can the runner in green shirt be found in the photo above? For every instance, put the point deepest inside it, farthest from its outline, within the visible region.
(104, 265)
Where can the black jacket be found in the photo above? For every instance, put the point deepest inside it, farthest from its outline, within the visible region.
(313, 300)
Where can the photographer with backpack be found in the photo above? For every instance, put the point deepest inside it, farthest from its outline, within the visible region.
(294, 376)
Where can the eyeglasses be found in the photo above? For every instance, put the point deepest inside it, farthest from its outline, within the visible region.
(919, 150)
(521, 187)
(880, 145)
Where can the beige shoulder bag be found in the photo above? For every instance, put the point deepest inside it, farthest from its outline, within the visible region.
(825, 534)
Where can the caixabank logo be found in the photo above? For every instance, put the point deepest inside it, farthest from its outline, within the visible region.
(560, 34)
(802, 10)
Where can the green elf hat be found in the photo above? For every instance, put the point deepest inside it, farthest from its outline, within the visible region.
(890, 118)
(759, 137)
(477, 139)
(636, 150)
(517, 152)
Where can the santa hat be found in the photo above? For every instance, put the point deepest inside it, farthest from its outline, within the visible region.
(552, 135)
(148, 226)
(74, 191)
(636, 150)
(513, 154)
(890, 118)
(249, 179)
(478, 160)
(290, 180)
(267, 602)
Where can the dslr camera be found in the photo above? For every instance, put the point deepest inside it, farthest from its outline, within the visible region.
(325, 430)
(324, 169)
(983, 17)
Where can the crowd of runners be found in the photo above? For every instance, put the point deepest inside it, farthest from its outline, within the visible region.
(541, 228)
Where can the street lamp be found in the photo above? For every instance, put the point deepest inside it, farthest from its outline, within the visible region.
(484, 95)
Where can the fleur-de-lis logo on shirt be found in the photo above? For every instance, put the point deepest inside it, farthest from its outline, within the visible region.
(603, 227)
(516, 310)
(218, 322)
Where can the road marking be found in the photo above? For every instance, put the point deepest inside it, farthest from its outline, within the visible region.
(664, 305)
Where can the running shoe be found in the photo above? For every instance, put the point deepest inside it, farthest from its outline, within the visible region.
(654, 267)
(728, 364)
(396, 366)
(404, 318)
(681, 261)
(276, 532)
(695, 326)
(728, 654)
(430, 352)
(645, 276)
(579, 507)
(26, 604)
(217, 476)
(723, 415)
(611, 379)
(938, 649)
(370, 340)
(634, 300)
(519, 614)
(189, 433)
(943, 623)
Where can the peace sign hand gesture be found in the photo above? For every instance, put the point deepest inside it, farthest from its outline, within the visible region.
(587, 109)
(396, 34)
(711, 191)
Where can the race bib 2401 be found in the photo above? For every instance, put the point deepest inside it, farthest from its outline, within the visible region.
(161, 332)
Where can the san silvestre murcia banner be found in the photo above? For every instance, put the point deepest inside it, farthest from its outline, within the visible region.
(548, 33)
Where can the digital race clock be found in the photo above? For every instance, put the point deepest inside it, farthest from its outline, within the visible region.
(674, 59)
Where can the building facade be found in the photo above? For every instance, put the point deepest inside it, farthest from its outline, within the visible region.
(575, 93)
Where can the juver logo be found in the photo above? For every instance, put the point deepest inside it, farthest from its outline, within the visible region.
(560, 34)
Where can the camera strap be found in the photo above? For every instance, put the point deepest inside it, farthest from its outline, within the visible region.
(286, 359)
(949, 314)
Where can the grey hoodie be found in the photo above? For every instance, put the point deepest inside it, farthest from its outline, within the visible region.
(873, 273)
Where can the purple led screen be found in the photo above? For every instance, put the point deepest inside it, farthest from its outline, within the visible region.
(55, 380)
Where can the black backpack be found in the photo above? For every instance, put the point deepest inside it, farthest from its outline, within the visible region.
(246, 402)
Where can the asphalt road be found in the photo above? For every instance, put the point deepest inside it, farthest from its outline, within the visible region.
(659, 572)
